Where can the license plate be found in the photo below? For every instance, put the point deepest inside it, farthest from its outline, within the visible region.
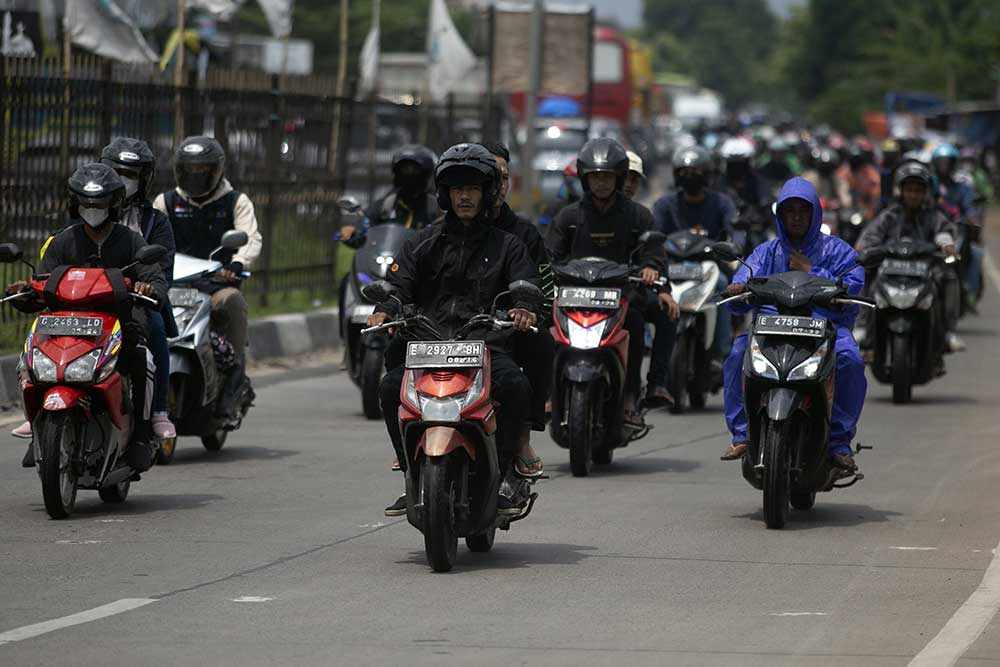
(184, 297)
(55, 325)
(451, 354)
(785, 325)
(684, 271)
(592, 298)
(360, 313)
(905, 267)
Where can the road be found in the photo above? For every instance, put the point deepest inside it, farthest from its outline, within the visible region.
(276, 551)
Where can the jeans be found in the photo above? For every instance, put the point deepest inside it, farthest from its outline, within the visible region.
(161, 357)
(723, 338)
(535, 353)
(663, 348)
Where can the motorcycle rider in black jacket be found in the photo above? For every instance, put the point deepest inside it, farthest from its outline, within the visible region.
(452, 271)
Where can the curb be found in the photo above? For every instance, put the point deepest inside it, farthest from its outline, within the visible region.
(270, 337)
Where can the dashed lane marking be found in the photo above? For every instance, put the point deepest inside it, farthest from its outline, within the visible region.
(36, 629)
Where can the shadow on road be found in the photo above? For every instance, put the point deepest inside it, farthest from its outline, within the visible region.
(929, 399)
(89, 505)
(197, 454)
(635, 465)
(510, 555)
(828, 515)
(974, 332)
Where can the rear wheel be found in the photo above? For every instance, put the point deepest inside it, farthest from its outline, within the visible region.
(115, 494)
(581, 428)
(58, 444)
(776, 479)
(214, 441)
(371, 375)
(902, 385)
(803, 500)
(679, 365)
(483, 542)
(440, 535)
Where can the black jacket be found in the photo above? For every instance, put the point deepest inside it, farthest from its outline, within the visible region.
(392, 208)
(522, 228)
(582, 230)
(451, 272)
(931, 225)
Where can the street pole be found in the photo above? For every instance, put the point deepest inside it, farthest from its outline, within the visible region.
(67, 76)
(531, 108)
(179, 76)
(338, 107)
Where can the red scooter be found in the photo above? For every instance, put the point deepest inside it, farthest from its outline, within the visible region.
(80, 409)
(449, 430)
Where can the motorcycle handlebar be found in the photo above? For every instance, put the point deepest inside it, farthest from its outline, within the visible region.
(659, 282)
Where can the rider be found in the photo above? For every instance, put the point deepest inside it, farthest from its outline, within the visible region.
(892, 155)
(635, 178)
(202, 208)
(453, 271)
(739, 179)
(534, 352)
(607, 224)
(859, 183)
(801, 246)
(958, 200)
(702, 211)
(915, 215)
(92, 239)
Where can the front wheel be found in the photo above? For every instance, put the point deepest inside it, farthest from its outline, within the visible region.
(59, 482)
(440, 535)
(581, 428)
(776, 479)
(371, 375)
(902, 385)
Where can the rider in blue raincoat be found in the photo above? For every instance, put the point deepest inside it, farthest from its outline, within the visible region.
(801, 246)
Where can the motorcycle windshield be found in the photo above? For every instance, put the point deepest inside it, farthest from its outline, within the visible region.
(592, 271)
(187, 267)
(373, 260)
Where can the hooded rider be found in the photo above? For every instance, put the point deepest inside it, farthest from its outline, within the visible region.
(801, 246)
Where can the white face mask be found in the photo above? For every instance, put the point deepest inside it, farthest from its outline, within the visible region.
(95, 217)
(131, 186)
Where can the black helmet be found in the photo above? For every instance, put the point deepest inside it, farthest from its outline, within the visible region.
(692, 157)
(424, 159)
(602, 154)
(96, 186)
(465, 164)
(130, 156)
(199, 164)
(912, 171)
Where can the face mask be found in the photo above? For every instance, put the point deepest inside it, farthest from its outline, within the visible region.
(131, 186)
(95, 217)
(692, 183)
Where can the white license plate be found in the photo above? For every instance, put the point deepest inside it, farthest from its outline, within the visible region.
(589, 298)
(447, 354)
(685, 271)
(787, 325)
(912, 268)
(183, 297)
(54, 325)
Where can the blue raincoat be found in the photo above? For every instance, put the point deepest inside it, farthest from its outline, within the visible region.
(830, 257)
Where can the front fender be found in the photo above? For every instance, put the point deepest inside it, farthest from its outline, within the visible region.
(58, 399)
(781, 402)
(583, 371)
(442, 440)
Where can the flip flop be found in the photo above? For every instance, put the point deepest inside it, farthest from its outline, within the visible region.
(395, 465)
(528, 463)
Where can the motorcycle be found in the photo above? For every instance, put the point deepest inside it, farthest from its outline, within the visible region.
(377, 248)
(906, 331)
(788, 375)
(197, 382)
(591, 358)
(693, 274)
(80, 409)
(449, 429)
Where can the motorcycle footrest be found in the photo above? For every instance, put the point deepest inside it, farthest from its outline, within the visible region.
(527, 510)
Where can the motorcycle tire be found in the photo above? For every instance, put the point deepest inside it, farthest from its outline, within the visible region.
(902, 385)
(679, 372)
(115, 495)
(776, 477)
(440, 535)
(581, 428)
(371, 376)
(483, 542)
(803, 500)
(213, 442)
(59, 483)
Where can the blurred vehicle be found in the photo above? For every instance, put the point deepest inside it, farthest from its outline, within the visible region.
(556, 145)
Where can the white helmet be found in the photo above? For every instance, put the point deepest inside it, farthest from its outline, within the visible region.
(737, 148)
(635, 163)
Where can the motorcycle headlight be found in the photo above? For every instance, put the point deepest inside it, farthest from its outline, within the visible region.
(585, 338)
(43, 368)
(82, 369)
(762, 366)
(808, 368)
(449, 408)
(901, 297)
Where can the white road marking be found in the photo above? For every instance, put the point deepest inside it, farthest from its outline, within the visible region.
(962, 629)
(990, 267)
(371, 525)
(799, 613)
(252, 598)
(29, 631)
(914, 548)
(79, 542)
(110, 520)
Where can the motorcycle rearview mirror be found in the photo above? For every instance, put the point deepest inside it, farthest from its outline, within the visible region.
(525, 292)
(349, 204)
(378, 291)
(652, 237)
(725, 251)
(234, 239)
(871, 257)
(150, 254)
(10, 253)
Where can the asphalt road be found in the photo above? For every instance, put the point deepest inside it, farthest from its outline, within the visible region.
(275, 551)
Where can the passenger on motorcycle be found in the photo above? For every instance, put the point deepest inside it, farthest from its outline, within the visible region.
(914, 215)
(958, 199)
(697, 209)
(801, 246)
(93, 239)
(202, 208)
(635, 178)
(607, 224)
(453, 271)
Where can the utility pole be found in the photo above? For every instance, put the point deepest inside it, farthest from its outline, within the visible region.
(338, 108)
(179, 76)
(531, 108)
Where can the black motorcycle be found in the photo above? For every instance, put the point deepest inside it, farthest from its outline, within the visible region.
(377, 248)
(787, 373)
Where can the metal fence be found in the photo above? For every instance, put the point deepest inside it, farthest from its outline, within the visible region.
(291, 144)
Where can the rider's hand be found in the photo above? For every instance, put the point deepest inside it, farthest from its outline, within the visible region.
(144, 289)
(227, 276)
(346, 232)
(17, 287)
(377, 319)
(523, 319)
(649, 276)
(735, 288)
(799, 262)
(667, 302)
(950, 251)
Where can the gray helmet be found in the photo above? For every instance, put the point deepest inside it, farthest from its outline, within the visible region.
(190, 161)
(692, 157)
(131, 155)
(912, 171)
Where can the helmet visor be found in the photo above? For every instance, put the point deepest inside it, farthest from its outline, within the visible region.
(197, 179)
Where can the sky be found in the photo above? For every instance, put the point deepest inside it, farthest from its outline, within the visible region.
(629, 12)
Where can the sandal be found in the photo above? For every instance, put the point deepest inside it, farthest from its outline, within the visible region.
(735, 451)
(395, 465)
(528, 463)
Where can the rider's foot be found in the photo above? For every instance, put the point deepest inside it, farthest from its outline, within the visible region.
(844, 462)
(658, 397)
(398, 508)
(163, 428)
(735, 451)
(953, 343)
(634, 418)
(527, 463)
(23, 431)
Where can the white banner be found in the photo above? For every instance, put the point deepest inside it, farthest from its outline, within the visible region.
(100, 26)
(222, 10)
(449, 59)
(279, 16)
(369, 62)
